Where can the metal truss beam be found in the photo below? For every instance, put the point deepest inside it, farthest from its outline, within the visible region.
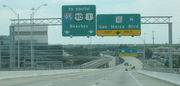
(37, 21)
(58, 21)
(156, 19)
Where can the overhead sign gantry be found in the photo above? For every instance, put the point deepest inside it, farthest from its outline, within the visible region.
(57, 21)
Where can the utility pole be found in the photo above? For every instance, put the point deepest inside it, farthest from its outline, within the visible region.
(153, 39)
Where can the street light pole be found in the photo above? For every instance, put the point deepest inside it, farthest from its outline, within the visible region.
(144, 49)
(18, 44)
(0, 55)
(89, 46)
(17, 15)
(32, 27)
(32, 57)
(170, 47)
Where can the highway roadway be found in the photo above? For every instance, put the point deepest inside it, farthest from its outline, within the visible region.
(115, 76)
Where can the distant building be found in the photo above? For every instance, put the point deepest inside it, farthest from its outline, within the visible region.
(107, 52)
(4, 51)
(18, 45)
(36, 33)
(44, 55)
(163, 52)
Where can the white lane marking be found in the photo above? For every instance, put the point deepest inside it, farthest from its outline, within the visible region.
(137, 81)
(96, 84)
(49, 84)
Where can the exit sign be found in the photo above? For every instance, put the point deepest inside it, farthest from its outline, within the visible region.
(128, 52)
(118, 24)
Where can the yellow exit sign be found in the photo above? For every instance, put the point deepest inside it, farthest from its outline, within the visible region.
(118, 25)
(128, 54)
(118, 32)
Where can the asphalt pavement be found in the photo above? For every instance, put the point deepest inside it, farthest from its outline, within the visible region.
(115, 76)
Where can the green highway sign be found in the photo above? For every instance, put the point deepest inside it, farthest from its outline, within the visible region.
(126, 64)
(128, 52)
(119, 24)
(79, 20)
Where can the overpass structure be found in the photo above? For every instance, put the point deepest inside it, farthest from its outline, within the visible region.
(103, 62)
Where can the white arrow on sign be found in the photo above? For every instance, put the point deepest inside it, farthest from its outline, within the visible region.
(122, 51)
(90, 31)
(67, 32)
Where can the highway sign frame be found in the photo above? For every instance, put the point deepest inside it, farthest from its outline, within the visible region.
(118, 25)
(78, 20)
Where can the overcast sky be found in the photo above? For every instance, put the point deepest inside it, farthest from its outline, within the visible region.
(143, 7)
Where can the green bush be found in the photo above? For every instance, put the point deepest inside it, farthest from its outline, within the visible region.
(148, 53)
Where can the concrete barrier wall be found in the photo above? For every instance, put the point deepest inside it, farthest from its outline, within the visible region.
(112, 63)
(169, 77)
(18, 74)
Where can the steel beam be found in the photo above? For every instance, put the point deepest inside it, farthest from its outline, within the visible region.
(12, 48)
(58, 21)
(38, 21)
(170, 46)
